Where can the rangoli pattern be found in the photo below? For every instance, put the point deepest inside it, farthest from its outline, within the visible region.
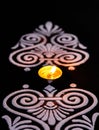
(50, 110)
(48, 45)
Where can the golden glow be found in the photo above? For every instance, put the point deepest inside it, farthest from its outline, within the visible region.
(50, 72)
(53, 69)
(71, 68)
(73, 85)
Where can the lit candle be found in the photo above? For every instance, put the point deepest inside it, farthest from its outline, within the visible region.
(50, 72)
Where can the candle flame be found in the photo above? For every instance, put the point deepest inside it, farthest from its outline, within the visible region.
(50, 72)
(53, 69)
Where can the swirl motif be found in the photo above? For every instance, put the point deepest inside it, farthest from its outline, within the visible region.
(75, 99)
(68, 59)
(25, 100)
(26, 59)
(53, 109)
(66, 39)
(71, 55)
(49, 45)
(32, 39)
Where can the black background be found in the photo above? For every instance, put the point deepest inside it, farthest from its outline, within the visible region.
(80, 18)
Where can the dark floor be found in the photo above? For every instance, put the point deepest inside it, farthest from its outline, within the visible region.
(79, 18)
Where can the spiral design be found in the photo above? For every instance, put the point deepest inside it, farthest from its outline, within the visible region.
(51, 45)
(65, 39)
(29, 57)
(73, 99)
(33, 39)
(26, 59)
(25, 99)
(71, 56)
(68, 58)
(20, 102)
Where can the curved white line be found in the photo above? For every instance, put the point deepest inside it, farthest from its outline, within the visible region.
(95, 101)
(24, 49)
(43, 124)
(72, 49)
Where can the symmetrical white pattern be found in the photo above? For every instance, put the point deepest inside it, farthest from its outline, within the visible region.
(47, 110)
(48, 45)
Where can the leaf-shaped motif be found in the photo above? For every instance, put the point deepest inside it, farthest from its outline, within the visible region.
(48, 26)
(82, 46)
(51, 119)
(17, 119)
(86, 118)
(16, 46)
(8, 120)
(94, 117)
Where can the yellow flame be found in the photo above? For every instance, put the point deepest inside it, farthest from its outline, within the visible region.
(53, 69)
(50, 72)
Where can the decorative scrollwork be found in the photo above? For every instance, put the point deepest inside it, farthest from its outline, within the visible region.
(32, 39)
(49, 29)
(83, 124)
(48, 45)
(26, 59)
(17, 124)
(51, 109)
(66, 40)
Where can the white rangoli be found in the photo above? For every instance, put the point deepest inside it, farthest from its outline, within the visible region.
(48, 45)
(49, 109)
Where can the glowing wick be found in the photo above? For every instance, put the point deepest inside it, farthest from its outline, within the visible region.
(53, 69)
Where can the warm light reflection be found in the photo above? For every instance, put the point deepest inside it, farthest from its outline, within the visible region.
(53, 69)
(50, 72)
(73, 85)
(71, 68)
